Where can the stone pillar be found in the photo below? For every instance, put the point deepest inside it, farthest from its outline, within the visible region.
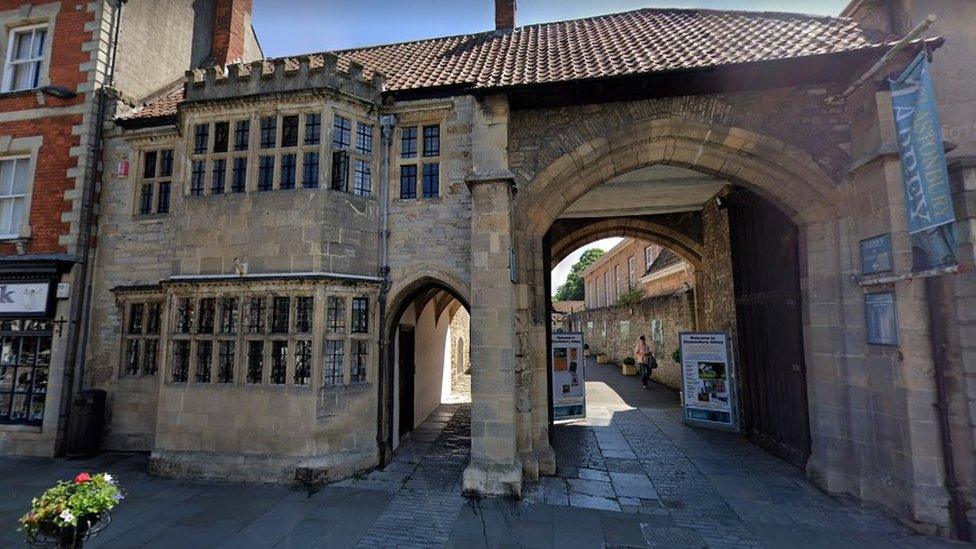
(495, 469)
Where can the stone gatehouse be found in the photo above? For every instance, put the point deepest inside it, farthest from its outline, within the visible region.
(283, 223)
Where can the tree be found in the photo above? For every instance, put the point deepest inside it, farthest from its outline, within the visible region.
(572, 290)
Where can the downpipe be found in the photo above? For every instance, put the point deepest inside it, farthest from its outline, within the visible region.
(384, 437)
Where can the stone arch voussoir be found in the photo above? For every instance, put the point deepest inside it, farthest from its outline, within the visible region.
(784, 174)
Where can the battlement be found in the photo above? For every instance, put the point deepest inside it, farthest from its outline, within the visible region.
(287, 74)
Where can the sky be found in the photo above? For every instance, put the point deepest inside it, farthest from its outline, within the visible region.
(290, 27)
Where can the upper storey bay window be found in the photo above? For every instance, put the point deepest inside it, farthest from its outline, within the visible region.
(279, 152)
(352, 156)
(25, 58)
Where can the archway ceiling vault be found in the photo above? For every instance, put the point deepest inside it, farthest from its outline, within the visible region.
(654, 189)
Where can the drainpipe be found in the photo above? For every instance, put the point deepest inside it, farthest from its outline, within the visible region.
(89, 200)
(78, 346)
(943, 349)
(383, 441)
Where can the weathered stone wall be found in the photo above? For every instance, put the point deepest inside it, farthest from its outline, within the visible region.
(715, 284)
(460, 334)
(430, 237)
(615, 331)
(237, 430)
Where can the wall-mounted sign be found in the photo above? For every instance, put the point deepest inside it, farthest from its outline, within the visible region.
(707, 379)
(568, 379)
(876, 254)
(882, 318)
(925, 178)
(25, 298)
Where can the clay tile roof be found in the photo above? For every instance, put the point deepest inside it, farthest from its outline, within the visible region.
(621, 44)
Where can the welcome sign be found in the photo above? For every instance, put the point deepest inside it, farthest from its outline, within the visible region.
(925, 178)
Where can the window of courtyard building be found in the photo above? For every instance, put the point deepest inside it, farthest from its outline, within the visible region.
(25, 358)
(419, 158)
(258, 339)
(352, 156)
(286, 153)
(140, 338)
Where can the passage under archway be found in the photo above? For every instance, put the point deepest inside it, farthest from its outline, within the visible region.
(429, 339)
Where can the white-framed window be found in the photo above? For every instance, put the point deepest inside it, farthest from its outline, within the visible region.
(606, 288)
(649, 256)
(25, 58)
(14, 182)
(630, 271)
(616, 281)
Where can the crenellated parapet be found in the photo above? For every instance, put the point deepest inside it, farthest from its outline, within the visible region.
(283, 75)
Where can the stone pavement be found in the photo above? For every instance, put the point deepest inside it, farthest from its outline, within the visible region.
(630, 475)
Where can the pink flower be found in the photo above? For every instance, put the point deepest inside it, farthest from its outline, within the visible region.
(82, 478)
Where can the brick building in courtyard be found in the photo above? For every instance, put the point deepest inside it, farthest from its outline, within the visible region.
(287, 248)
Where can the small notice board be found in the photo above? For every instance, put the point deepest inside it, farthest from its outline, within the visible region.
(568, 380)
(708, 379)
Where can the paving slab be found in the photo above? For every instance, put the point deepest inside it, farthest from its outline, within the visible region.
(635, 485)
(590, 488)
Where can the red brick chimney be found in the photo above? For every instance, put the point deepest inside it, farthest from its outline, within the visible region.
(504, 14)
(231, 18)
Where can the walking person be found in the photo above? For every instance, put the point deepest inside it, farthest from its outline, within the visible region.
(646, 360)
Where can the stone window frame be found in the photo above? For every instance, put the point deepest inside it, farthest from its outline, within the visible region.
(419, 159)
(606, 287)
(156, 181)
(631, 274)
(349, 156)
(19, 19)
(143, 337)
(22, 147)
(241, 338)
(253, 153)
(349, 339)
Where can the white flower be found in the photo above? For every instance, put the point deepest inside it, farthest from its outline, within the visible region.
(67, 517)
(109, 478)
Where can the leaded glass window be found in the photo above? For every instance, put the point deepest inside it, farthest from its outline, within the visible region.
(360, 315)
(336, 315)
(360, 361)
(334, 375)
(279, 361)
(303, 362)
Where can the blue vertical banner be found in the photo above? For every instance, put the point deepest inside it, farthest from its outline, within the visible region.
(925, 178)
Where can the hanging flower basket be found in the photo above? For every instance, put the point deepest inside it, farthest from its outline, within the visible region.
(70, 513)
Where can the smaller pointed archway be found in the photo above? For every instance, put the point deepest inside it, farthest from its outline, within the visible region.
(428, 338)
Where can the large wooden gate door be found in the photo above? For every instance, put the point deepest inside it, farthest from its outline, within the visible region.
(772, 375)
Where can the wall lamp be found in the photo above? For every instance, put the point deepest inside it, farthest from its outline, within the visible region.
(60, 92)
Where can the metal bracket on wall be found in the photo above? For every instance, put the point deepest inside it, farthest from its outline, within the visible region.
(892, 278)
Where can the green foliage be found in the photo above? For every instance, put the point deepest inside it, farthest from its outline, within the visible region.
(572, 290)
(629, 361)
(676, 355)
(632, 297)
(66, 503)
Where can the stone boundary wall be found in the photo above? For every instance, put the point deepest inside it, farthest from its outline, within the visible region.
(614, 331)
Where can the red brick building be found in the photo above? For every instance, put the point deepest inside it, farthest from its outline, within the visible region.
(66, 67)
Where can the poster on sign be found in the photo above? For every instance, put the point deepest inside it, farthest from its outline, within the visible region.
(567, 373)
(708, 379)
